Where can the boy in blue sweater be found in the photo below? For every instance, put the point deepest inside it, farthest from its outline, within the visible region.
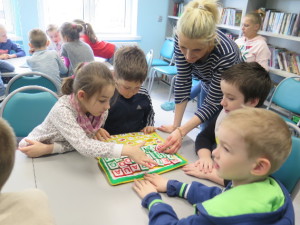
(8, 49)
(253, 143)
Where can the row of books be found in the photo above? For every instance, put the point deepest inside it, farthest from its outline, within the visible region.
(230, 16)
(279, 22)
(178, 9)
(284, 60)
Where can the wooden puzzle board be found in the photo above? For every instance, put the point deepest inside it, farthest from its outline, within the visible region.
(124, 170)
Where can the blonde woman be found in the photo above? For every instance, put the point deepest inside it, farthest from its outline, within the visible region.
(202, 51)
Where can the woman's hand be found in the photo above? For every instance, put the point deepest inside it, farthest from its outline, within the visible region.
(172, 143)
(167, 128)
(36, 148)
(102, 135)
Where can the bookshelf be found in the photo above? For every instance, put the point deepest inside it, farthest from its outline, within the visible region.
(288, 42)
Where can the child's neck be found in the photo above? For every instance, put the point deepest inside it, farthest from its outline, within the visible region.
(41, 49)
(250, 180)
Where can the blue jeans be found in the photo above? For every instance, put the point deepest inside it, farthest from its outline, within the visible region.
(201, 95)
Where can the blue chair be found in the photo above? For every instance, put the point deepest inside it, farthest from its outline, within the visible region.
(289, 173)
(287, 96)
(149, 59)
(166, 59)
(24, 111)
(32, 78)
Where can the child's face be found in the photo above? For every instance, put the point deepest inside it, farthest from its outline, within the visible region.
(128, 88)
(3, 36)
(54, 36)
(98, 103)
(232, 97)
(193, 49)
(249, 28)
(230, 157)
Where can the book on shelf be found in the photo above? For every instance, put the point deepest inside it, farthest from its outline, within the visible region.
(230, 16)
(296, 28)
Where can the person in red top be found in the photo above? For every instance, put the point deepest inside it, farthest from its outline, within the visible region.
(101, 49)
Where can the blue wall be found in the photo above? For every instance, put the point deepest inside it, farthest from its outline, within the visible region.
(151, 31)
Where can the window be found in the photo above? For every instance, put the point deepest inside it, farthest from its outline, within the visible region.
(116, 18)
(5, 15)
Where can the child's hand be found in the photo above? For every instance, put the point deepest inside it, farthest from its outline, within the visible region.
(4, 56)
(205, 164)
(149, 129)
(102, 135)
(12, 56)
(137, 155)
(159, 182)
(143, 188)
(166, 128)
(36, 148)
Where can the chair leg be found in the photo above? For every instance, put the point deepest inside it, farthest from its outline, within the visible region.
(150, 83)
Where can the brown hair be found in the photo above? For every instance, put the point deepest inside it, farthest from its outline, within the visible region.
(87, 29)
(70, 31)
(264, 132)
(252, 80)
(130, 64)
(89, 77)
(7, 151)
(38, 38)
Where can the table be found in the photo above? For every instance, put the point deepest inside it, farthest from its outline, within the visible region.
(80, 194)
(19, 64)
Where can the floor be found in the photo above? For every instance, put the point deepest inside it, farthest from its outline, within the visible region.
(159, 95)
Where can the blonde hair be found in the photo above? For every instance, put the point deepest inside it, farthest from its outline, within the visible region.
(90, 77)
(51, 27)
(199, 20)
(38, 38)
(264, 133)
(7, 151)
(255, 18)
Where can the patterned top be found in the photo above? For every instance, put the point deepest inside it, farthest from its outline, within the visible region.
(61, 128)
(224, 55)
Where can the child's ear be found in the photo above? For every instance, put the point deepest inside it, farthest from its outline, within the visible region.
(47, 43)
(252, 102)
(30, 45)
(81, 95)
(262, 167)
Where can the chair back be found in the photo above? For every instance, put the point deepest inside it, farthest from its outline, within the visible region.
(149, 58)
(287, 95)
(32, 78)
(167, 49)
(289, 173)
(24, 111)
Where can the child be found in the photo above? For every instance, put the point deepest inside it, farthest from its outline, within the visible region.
(4, 67)
(74, 49)
(54, 35)
(26, 207)
(244, 84)
(43, 60)
(250, 149)
(132, 111)
(253, 46)
(8, 49)
(74, 120)
(100, 48)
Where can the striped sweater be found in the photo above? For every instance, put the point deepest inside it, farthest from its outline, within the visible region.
(224, 55)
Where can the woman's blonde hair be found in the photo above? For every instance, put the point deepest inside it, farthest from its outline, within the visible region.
(199, 20)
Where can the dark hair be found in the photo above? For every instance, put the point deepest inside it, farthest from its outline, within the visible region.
(87, 29)
(7, 151)
(70, 31)
(130, 64)
(251, 79)
(38, 38)
(89, 77)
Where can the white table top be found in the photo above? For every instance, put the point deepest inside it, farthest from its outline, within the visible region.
(79, 192)
(19, 64)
